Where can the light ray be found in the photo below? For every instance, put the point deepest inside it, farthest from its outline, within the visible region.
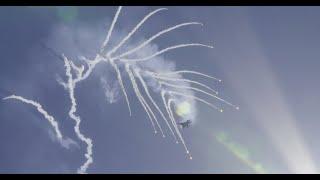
(240, 152)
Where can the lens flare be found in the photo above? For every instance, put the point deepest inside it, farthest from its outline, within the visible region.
(67, 14)
(240, 152)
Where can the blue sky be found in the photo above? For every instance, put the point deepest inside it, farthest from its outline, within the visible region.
(267, 58)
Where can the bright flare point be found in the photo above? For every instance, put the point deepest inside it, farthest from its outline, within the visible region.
(183, 108)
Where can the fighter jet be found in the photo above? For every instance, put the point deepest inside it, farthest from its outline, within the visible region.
(185, 124)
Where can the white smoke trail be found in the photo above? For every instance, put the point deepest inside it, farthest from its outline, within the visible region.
(112, 62)
(65, 142)
(153, 102)
(187, 80)
(105, 42)
(165, 50)
(50, 118)
(111, 91)
(134, 30)
(81, 74)
(71, 86)
(196, 98)
(199, 90)
(137, 91)
(154, 37)
(167, 109)
(121, 84)
(175, 125)
(190, 72)
(91, 65)
(61, 82)
(142, 103)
